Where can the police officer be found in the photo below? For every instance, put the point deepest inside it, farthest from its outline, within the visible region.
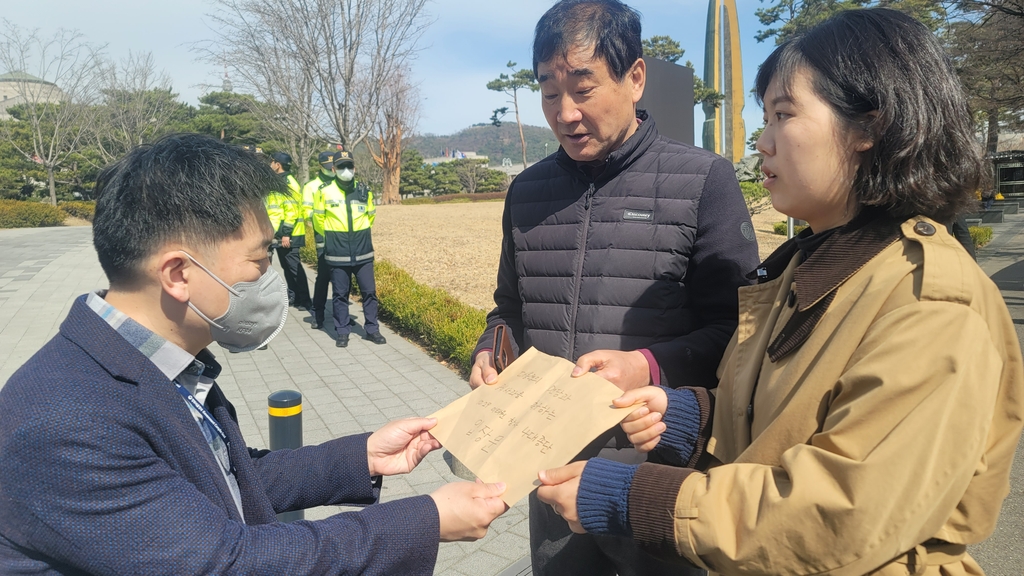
(292, 231)
(316, 216)
(343, 214)
(276, 204)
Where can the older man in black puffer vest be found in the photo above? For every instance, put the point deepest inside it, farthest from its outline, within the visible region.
(623, 251)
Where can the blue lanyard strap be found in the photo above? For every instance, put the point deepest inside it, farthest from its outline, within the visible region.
(207, 417)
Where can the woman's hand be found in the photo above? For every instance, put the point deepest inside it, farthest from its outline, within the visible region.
(559, 489)
(643, 426)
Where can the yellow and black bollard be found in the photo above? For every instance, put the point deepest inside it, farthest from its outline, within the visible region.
(285, 408)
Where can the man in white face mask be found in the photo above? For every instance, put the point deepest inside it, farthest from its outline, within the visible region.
(343, 216)
(310, 195)
(117, 427)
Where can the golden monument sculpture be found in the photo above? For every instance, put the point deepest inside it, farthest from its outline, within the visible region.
(724, 131)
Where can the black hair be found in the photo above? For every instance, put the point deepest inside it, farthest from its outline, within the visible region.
(611, 27)
(185, 187)
(887, 78)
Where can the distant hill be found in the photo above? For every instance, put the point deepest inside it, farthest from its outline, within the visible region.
(494, 142)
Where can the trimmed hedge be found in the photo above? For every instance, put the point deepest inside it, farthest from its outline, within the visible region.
(456, 198)
(23, 214)
(756, 197)
(79, 209)
(981, 235)
(307, 253)
(780, 228)
(446, 326)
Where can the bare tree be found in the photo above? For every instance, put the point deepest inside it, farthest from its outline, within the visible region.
(136, 104)
(988, 53)
(398, 112)
(55, 81)
(323, 66)
(470, 173)
(260, 43)
(353, 50)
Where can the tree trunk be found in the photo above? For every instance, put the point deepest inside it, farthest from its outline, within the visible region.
(53, 185)
(391, 155)
(992, 145)
(305, 151)
(392, 176)
(522, 139)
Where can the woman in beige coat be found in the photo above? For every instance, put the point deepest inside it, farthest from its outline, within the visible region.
(870, 402)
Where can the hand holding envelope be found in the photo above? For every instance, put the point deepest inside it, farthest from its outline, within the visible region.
(537, 416)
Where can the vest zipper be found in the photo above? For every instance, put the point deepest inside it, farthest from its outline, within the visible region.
(348, 213)
(579, 272)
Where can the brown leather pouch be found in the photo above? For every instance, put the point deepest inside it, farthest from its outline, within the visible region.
(502, 347)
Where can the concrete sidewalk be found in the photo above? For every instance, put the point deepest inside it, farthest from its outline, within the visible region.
(345, 391)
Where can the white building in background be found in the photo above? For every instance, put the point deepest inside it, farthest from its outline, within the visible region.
(20, 88)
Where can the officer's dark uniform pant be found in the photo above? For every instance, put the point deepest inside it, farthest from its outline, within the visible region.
(323, 280)
(341, 278)
(294, 276)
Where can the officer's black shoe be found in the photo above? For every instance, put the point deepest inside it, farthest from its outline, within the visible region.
(302, 307)
(316, 324)
(342, 341)
(376, 338)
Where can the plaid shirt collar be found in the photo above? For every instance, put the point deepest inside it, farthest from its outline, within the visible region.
(177, 364)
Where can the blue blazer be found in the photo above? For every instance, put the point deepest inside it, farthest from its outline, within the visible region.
(104, 471)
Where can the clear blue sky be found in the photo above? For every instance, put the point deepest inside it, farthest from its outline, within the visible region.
(468, 44)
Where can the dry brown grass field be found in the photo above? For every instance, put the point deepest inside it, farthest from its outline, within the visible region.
(455, 247)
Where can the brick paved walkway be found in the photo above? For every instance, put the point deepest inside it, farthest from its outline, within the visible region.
(345, 391)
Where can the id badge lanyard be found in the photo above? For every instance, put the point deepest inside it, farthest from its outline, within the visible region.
(211, 424)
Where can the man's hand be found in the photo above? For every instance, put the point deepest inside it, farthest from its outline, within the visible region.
(286, 241)
(399, 446)
(466, 509)
(643, 426)
(483, 371)
(627, 370)
(560, 487)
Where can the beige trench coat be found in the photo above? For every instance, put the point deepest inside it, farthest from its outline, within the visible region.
(882, 444)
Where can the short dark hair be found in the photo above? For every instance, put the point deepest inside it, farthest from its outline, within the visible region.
(925, 159)
(611, 27)
(185, 187)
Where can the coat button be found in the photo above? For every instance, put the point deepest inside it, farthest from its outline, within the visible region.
(924, 229)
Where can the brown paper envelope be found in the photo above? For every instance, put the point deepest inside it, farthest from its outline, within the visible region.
(536, 417)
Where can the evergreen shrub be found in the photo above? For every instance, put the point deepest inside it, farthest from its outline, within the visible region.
(981, 235)
(446, 326)
(25, 214)
(79, 209)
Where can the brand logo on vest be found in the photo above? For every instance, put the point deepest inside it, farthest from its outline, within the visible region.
(638, 215)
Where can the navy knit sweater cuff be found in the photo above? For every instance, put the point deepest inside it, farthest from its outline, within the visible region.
(682, 423)
(603, 498)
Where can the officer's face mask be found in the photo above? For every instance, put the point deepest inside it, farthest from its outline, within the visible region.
(255, 315)
(346, 174)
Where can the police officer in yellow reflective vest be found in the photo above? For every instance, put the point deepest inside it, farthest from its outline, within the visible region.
(323, 273)
(343, 213)
(291, 233)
